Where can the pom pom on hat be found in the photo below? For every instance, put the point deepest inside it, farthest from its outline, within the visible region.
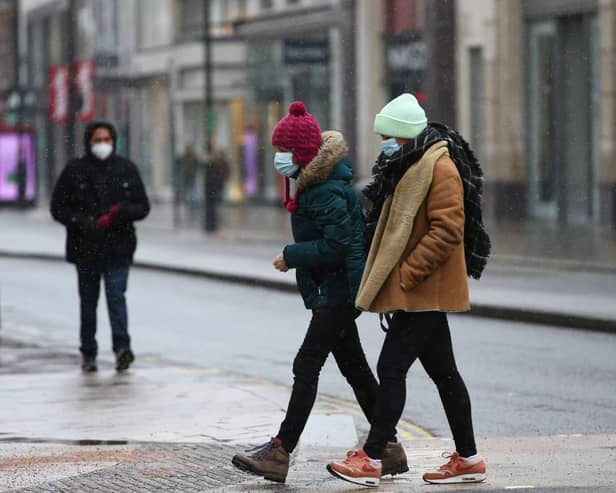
(297, 108)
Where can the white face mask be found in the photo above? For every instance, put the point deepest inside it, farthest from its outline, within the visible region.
(102, 151)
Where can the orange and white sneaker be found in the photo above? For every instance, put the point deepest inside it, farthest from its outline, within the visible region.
(357, 468)
(457, 470)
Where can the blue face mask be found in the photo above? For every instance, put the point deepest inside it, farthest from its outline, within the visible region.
(283, 162)
(389, 147)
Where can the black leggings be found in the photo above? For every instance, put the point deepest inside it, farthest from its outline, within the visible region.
(331, 330)
(423, 335)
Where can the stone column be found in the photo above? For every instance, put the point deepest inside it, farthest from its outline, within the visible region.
(440, 79)
(506, 188)
(370, 97)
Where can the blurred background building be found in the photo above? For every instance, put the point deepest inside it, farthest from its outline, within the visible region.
(531, 84)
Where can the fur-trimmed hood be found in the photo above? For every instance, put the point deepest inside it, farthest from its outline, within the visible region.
(333, 150)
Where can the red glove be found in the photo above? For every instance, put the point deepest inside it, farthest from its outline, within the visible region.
(104, 221)
(115, 210)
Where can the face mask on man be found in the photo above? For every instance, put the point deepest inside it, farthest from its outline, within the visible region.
(389, 147)
(283, 162)
(102, 150)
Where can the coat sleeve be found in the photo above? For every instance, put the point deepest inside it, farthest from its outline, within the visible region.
(333, 219)
(61, 205)
(445, 208)
(138, 207)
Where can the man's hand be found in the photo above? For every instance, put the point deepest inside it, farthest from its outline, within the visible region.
(104, 221)
(115, 210)
(280, 264)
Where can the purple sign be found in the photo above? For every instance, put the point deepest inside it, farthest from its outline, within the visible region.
(251, 163)
(10, 146)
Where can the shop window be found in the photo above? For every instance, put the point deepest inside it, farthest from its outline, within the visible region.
(154, 23)
(562, 87)
(85, 44)
(267, 4)
(106, 16)
(37, 72)
(242, 6)
(191, 19)
(6, 52)
(542, 170)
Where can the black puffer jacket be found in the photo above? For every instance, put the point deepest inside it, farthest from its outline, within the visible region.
(87, 189)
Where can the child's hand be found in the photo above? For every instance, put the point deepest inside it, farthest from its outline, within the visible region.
(280, 264)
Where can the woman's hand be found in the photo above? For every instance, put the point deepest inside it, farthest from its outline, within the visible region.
(280, 264)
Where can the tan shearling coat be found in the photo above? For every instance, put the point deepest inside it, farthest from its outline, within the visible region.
(416, 260)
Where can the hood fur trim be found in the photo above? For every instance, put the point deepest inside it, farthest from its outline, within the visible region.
(333, 149)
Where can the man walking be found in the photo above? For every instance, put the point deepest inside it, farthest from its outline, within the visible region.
(97, 198)
(188, 166)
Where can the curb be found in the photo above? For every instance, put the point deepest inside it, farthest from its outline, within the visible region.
(553, 264)
(569, 321)
(556, 319)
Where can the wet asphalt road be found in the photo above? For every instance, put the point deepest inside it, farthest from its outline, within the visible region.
(524, 379)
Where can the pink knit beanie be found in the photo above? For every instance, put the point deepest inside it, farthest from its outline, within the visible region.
(299, 132)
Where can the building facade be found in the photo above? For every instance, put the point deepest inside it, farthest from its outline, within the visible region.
(534, 86)
(536, 98)
(149, 78)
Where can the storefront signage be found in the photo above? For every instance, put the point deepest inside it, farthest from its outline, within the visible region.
(58, 93)
(84, 85)
(406, 55)
(297, 52)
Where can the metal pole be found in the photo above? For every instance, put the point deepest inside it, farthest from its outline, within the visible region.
(16, 60)
(210, 219)
(174, 159)
(21, 164)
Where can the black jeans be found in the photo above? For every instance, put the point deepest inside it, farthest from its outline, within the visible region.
(331, 330)
(423, 335)
(89, 280)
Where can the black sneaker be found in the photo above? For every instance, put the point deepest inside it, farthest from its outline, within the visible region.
(124, 357)
(88, 364)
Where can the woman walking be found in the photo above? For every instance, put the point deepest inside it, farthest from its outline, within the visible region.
(329, 257)
(426, 236)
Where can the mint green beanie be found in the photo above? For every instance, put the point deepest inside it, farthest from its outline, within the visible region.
(402, 117)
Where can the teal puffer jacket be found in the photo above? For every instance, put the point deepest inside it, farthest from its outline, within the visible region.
(328, 253)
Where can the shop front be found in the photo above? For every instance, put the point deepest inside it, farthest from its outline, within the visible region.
(279, 71)
(563, 114)
(405, 55)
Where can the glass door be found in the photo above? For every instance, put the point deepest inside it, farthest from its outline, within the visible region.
(562, 88)
(575, 131)
(541, 133)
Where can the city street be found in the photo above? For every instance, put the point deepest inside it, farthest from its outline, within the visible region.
(525, 379)
(249, 158)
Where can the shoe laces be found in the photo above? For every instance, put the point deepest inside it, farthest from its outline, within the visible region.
(263, 450)
(453, 458)
(350, 455)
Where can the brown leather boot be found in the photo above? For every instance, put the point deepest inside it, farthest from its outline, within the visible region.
(393, 459)
(270, 460)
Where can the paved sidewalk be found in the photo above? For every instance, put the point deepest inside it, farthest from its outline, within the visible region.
(162, 427)
(563, 293)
